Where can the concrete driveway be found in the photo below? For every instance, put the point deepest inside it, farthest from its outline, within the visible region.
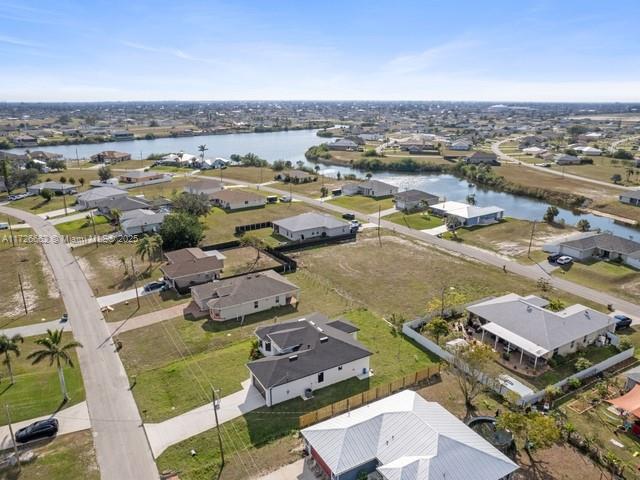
(294, 471)
(163, 435)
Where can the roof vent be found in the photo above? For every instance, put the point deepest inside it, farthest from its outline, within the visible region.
(293, 358)
(324, 339)
(529, 308)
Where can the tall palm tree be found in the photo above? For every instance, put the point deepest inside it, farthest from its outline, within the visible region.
(145, 249)
(116, 214)
(202, 148)
(55, 351)
(9, 345)
(123, 261)
(156, 246)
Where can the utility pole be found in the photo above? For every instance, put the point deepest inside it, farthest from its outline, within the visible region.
(290, 193)
(135, 282)
(379, 238)
(95, 235)
(13, 438)
(24, 301)
(216, 405)
(64, 200)
(533, 228)
(77, 157)
(13, 240)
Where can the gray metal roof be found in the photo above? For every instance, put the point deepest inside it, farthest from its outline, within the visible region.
(140, 218)
(604, 241)
(309, 220)
(413, 439)
(526, 317)
(100, 193)
(316, 344)
(416, 196)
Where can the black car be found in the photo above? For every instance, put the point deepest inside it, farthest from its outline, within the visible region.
(155, 287)
(622, 321)
(348, 216)
(554, 257)
(41, 429)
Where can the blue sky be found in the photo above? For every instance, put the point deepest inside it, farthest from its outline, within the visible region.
(330, 50)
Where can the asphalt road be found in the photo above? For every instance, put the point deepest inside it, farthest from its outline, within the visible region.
(122, 449)
(533, 272)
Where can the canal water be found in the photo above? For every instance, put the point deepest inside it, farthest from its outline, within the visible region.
(291, 146)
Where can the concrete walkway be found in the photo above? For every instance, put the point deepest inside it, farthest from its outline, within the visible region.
(56, 213)
(72, 419)
(294, 471)
(436, 230)
(120, 297)
(388, 211)
(148, 318)
(35, 328)
(70, 218)
(179, 428)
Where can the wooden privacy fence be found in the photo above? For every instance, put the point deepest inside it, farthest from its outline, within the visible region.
(368, 396)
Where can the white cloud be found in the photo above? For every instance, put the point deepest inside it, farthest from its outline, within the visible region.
(417, 62)
(175, 52)
(18, 42)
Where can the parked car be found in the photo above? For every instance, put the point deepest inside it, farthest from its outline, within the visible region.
(564, 260)
(4, 226)
(64, 318)
(553, 258)
(348, 216)
(622, 321)
(285, 199)
(40, 429)
(155, 287)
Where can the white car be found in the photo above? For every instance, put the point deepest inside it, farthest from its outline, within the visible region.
(564, 260)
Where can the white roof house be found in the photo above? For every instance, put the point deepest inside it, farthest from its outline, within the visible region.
(404, 437)
(468, 214)
(534, 150)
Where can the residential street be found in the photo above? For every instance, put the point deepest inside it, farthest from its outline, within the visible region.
(122, 448)
(534, 272)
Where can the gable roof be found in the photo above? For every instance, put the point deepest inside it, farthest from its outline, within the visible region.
(631, 194)
(140, 217)
(315, 345)
(375, 184)
(100, 193)
(190, 261)
(126, 203)
(229, 292)
(534, 328)
(464, 210)
(412, 438)
(204, 186)
(235, 195)
(308, 220)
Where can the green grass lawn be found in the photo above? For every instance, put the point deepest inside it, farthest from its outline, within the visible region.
(363, 204)
(267, 237)
(148, 303)
(37, 204)
(417, 221)
(67, 457)
(244, 174)
(619, 279)
(220, 225)
(250, 435)
(36, 391)
(83, 227)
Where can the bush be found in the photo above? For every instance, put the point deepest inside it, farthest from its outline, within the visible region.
(574, 383)
(46, 194)
(582, 364)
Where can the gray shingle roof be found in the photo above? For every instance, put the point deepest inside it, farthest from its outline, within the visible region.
(604, 241)
(306, 221)
(416, 196)
(313, 355)
(190, 261)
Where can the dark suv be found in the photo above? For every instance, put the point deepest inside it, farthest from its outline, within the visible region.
(41, 429)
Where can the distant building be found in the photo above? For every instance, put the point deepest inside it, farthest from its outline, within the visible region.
(414, 200)
(343, 144)
(478, 158)
(236, 199)
(468, 215)
(370, 188)
(295, 176)
(141, 221)
(604, 246)
(307, 226)
(564, 159)
(98, 197)
(56, 187)
(204, 186)
(139, 176)
(630, 197)
(460, 145)
(110, 156)
(25, 141)
(122, 135)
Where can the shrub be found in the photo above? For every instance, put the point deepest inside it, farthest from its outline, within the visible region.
(574, 383)
(582, 364)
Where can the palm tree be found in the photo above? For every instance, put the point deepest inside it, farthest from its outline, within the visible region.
(55, 351)
(202, 148)
(123, 261)
(145, 249)
(156, 246)
(10, 345)
(116, 214)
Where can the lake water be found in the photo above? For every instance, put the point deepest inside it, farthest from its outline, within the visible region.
(292, 145)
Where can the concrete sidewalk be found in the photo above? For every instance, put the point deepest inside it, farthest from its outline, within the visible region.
(71, 218)
(72, 419)
(36, 328)
(148, 318)
(436, 230)
(179, 428)
(294, 471)
(119, 297)
(56, 213)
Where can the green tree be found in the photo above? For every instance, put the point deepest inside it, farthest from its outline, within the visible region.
(24, 178)
(156, 246)
(116, 214)
(469, 366)
(555, 305)
(104, 173)
(6, 168)
(533, 429)
(46, 194)
(324, 191)
(81, 181)
(125, 265)
(438, 327)
(449, 297)
(196, 204)
(582, 364)
(616, 178)
(180, 230)
(8, 346)
(202, 148)
(63, 179)
(56, 164)
(144, 249)
(583, 225)
(56, 352)
(551, 214)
